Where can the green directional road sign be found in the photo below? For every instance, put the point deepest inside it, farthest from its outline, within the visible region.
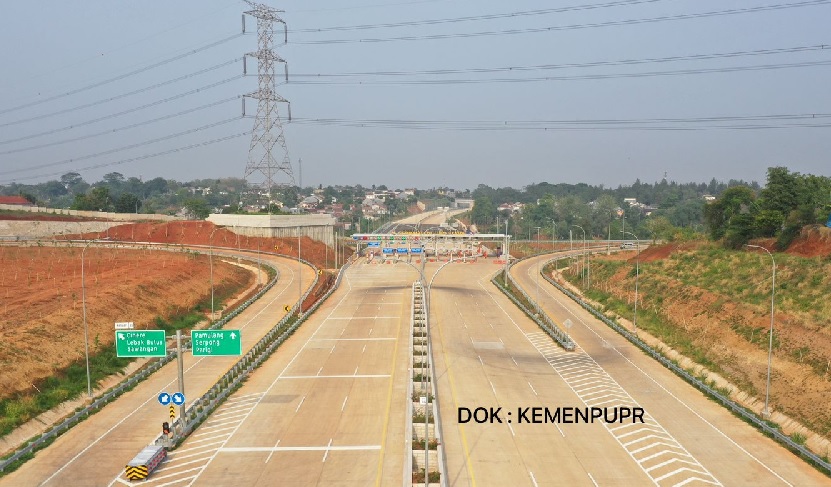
(208, 343)
(133, 343)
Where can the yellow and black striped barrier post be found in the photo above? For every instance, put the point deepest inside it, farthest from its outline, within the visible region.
(139, 472)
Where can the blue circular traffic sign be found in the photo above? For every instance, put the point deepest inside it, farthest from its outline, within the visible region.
(164, 399)
(178, 398)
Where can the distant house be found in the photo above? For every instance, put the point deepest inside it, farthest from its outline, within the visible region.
(15, 200)
(709, 197)
(630, 201)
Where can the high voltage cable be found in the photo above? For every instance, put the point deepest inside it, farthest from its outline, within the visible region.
(583, 77)
(133, 159)
(123, 95)
(120, 129)
(121, 77)
(525, 13)
(121, 149)
(666, 18)
(810, 120)
(540, 67)
(124, 112)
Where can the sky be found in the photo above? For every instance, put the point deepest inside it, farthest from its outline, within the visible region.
(422, 93)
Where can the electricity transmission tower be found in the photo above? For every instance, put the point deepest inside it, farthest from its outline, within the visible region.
(268, 164)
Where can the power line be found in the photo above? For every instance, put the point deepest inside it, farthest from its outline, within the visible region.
(583, 77)
(123, 95)
(121, 149)
(121, 77)
(614, 23)
(133, 159)
(119, 129)
(525, 13)
(593, 64)
(746, 122)
(124, 112)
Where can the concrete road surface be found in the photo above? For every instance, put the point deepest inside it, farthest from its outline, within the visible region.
(328, 408)
(702, 440)
(96, 450)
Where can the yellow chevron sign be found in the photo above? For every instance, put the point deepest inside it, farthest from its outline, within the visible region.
(136, 473)
(172, 411)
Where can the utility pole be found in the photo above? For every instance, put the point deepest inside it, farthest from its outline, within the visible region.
(263, 169)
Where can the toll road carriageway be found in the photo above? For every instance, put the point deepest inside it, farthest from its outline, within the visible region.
(686, 434)
(327, 409)
(95, 451)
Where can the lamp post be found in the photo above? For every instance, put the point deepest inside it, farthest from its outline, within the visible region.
(211, 259)
(765, 411)
(553, 233)
(538, 236)
(637, 275)
(584, 251)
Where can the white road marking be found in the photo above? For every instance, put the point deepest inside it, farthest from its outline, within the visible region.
(532, 389)
(262, 449)
(480, 360)
(363, 349)
(326, 453)
(388, 339)
(354, 376)
(533, 479)
(512, 429)
(272, 451)
(342, 406)
(592, 479)
(300, 404)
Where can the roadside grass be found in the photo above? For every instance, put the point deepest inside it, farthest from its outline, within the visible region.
(71, 382)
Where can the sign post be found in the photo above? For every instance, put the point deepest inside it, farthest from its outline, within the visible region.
(212, 343)
(147, 343)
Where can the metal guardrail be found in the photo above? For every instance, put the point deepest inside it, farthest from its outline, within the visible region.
(736, 408)
(126, 385)
(408, 432)
(542, 319)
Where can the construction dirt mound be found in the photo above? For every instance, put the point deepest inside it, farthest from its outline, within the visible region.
(206, 233)
(813, 241)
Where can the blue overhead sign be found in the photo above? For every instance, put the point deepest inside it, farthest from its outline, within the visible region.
(387, 250)
(415, 250)
(373, 244)
(403, 250)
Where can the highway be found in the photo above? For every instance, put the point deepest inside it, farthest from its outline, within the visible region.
(96, 450)
(701, 439)
(327, 409)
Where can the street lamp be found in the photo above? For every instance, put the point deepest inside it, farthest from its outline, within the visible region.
(211, 259)
(765, 411)
(538, 236)
(637, 275)
(553, 233)
(84, 306)
(584, 251)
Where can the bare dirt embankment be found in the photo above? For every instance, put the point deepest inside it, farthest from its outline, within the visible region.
(727, 327)
(41, 325)
(206, 233)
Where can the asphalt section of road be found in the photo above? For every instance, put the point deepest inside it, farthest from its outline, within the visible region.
(96, 450)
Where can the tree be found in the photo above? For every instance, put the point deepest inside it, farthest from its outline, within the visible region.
(719, 214)
(484, 211)
(127, 203)
(197, 209)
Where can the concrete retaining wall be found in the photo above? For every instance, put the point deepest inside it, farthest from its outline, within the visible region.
(120, 217)
(43, 229)
(316, 227)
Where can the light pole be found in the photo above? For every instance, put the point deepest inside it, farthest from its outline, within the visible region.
(584, 251)
(211, 259)
(86, 330)
(553, 233)
(765, 411)
(299, 277)
(637, 275)
(538, 236)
